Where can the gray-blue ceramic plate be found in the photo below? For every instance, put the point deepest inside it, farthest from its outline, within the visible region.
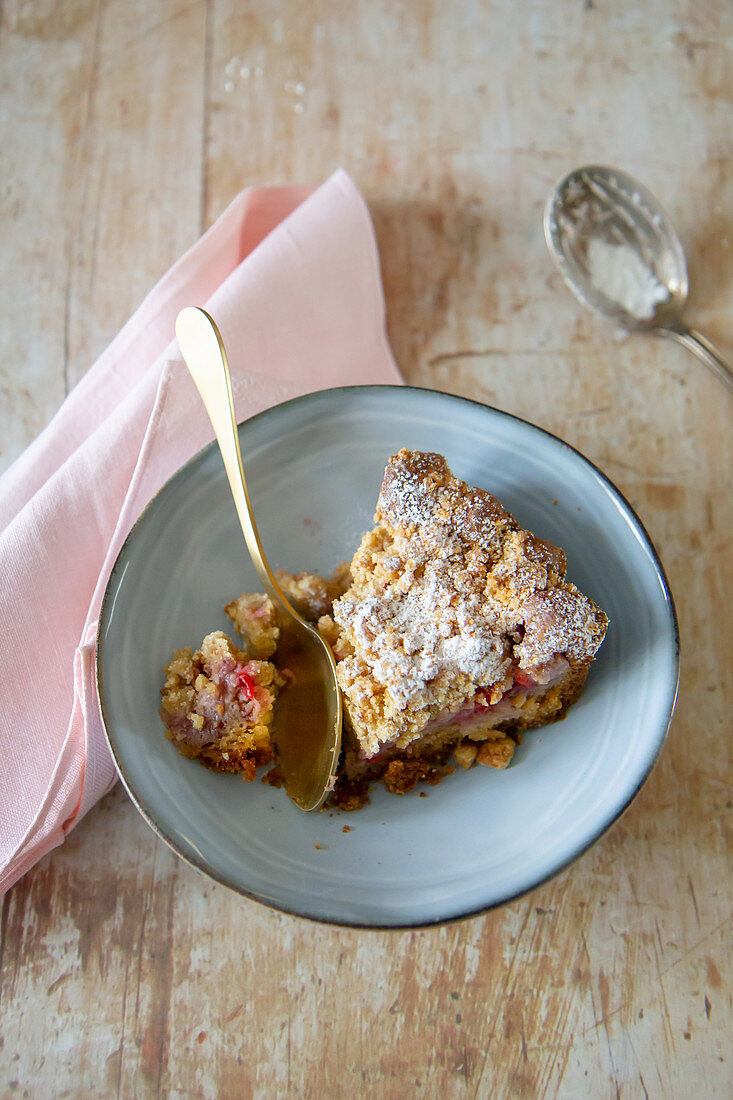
(314, 466)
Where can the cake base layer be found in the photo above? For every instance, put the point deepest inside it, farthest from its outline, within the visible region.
(475, 739)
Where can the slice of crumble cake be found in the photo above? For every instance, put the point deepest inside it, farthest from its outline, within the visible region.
(453, 630)
(458, 631)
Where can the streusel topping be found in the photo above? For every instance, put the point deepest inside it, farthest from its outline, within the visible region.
(449, 595)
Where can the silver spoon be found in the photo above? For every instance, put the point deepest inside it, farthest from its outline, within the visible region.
(306, 727)
(620, 255)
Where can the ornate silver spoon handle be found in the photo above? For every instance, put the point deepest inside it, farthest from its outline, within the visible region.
(703, 349)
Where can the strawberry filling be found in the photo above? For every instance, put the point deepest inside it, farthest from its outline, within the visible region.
(246, 682)
(524, 679)
(522, 684)
(237, 698)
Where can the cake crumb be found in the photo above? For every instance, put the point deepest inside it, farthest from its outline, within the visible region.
(274, 777)
(496, 754)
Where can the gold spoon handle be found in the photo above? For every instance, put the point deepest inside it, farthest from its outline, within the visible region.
(704, 350)
(203, 351)
(306, 726)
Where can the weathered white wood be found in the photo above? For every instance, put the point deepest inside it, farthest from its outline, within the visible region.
(125, 128)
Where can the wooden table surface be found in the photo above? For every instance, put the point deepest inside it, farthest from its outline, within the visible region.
(126, 126)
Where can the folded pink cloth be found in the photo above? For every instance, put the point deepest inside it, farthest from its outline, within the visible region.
(292, 279)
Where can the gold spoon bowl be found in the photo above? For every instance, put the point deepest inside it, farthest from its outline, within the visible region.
(307, 720)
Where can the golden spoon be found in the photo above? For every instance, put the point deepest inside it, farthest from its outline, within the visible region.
(308, 713)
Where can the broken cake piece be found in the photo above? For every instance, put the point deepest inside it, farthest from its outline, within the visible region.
(216, 705)
(217, 702)
(312, 595)
(253, 616)
(458, 631)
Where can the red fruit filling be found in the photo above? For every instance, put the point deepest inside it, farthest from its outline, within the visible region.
(522, 683)
(524, 679)
(246, 683)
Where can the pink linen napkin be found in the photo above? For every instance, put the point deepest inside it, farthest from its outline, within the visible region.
(292, 279)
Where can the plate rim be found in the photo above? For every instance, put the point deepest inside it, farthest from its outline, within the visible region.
(221, 878)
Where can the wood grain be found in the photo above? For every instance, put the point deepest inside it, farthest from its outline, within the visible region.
(126, 127)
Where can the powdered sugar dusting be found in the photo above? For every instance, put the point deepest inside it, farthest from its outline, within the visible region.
(417, 636)
(560, 620)
(449, 590)
(619, 272)
(408, 490)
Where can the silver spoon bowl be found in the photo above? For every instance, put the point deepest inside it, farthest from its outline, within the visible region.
(620, 255)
